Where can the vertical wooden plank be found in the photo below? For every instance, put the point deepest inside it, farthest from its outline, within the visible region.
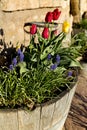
(70, 97)
(29, 120)
(8, 120)
(46, 116)
(61, 110)
(58, 125)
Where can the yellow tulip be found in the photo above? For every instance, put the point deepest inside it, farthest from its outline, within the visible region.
(65, 27)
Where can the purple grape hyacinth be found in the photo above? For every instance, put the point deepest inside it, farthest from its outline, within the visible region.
(49, 56)
(57, 59)
(14, 61)
(53, 67)
(19, 51)
(69, 73)
(21, 56)
(11, 67)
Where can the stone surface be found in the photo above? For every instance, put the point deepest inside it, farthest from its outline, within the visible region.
(76, 18)
(83, 6)
(12, 5)
(63, 128)
(62, 3)
(46, 3)
(82, 9)
(54, 3)
(15, 13)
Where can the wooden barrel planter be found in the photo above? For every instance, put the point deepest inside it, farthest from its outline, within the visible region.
(48, 116)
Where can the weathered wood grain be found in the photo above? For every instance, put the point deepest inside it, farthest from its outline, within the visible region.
(61, 110)
(8, 120)
(29, 120)
(46, 116)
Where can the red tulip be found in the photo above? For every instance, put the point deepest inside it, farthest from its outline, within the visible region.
(45, 33)
(49, 17)
(56, 14)
(33, 29)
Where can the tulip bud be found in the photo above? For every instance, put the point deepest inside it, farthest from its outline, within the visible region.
(49, 17)
(17, 47)
(56, 14)
(45, 33)
(65, 27)
(33, 29)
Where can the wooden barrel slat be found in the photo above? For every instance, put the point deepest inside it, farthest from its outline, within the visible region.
(29, 120)
(61, 110)
(46, 116)
(8, 120)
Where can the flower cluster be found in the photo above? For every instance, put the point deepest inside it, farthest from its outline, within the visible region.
(47, 44)
(18, 58)
(50, 16)
(48, 51)
(43, 69)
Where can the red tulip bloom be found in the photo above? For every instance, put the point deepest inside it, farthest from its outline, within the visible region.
(49, 17)
(45, 33)
(56, 14)
(33, 29)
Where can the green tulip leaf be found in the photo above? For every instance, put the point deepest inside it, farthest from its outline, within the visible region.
(23, 68)
(75, 64)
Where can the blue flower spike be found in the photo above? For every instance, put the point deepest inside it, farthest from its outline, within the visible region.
(11, 67)
(19, 51)
(14, 62)
(49, 56)
(20, 54)
(53, 67)
(21, 57)
(57, 59)
(69, 73)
